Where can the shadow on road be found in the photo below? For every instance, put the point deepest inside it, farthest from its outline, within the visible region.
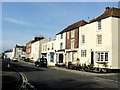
(23, 68)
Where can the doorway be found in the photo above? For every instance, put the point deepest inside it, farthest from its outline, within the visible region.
(92, 57)
(60, 58)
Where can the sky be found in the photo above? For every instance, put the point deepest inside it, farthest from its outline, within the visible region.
(22, 21)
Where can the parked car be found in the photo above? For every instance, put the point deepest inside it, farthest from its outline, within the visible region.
(41, 62)
(15, 60)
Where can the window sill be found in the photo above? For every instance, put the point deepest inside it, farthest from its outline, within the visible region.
(102, 62)
(98, 45)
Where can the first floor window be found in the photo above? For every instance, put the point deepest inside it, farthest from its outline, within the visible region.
(72, 44)
(72, 34)
(67, 35)
(83, 39)
(61, 46)
(102, 56)
(99, 39)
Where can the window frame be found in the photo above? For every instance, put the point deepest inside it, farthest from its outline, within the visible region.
(61, 46)
(99, 25)
(102, 56)
(82, 39)
(68, 36)
(83, 53)
(99, 39)
(72, 34)
(72, 44)
(61, 35)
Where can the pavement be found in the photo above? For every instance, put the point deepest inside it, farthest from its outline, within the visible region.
(10, 78)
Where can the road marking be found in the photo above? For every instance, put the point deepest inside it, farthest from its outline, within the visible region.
(25, 83)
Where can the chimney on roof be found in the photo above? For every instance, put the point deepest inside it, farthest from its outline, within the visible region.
(107, 8)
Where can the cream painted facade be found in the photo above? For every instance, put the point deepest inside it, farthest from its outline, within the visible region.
(108, 49)
(48, 52)
(60, 48)
(37, 49)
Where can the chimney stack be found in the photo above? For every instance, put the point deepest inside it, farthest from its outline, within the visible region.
(107, 8)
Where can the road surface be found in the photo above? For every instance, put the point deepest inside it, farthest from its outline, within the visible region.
(54, 78)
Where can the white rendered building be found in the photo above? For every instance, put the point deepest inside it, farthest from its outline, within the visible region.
(60, 48)
(98, 40)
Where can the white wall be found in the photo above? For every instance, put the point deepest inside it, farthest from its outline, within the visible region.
(59, 40)
(115, 43)
(51, 50)
(119, 43)
(57, 46)
(90, 31)
(36, 49)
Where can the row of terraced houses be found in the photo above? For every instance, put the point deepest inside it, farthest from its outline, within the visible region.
(94, 42)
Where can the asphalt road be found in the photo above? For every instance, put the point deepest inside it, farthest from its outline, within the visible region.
(54, 78)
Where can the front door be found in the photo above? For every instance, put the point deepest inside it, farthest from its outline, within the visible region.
(92, 57)
(60, 58)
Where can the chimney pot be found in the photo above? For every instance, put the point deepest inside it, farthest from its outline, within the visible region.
(107, 8)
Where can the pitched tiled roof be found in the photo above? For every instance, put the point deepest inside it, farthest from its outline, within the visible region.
(74, 26)
(110, 12)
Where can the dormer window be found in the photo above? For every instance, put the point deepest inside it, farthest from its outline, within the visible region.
(99, 25)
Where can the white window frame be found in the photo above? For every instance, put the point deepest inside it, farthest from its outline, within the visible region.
(99, 24)
(67, 35)
(61, 35)
(83, 53)
(61, 46)
(74, 57)
(69, 58)
(99, 39)
(99, 56)
(72, 44)
(72, 34)
(82, 39)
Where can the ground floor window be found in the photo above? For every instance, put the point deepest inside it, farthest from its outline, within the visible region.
(102, 56)
(83, 53)
(68, 57)
(74, 57)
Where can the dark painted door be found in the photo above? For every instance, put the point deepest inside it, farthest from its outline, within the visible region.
(92, 57)
(60, 58)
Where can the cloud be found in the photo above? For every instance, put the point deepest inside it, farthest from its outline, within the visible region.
(17, 21)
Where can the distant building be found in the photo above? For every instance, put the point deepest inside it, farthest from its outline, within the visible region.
(36, 47)
(19, 51)
(28, 49)
(8, 54)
